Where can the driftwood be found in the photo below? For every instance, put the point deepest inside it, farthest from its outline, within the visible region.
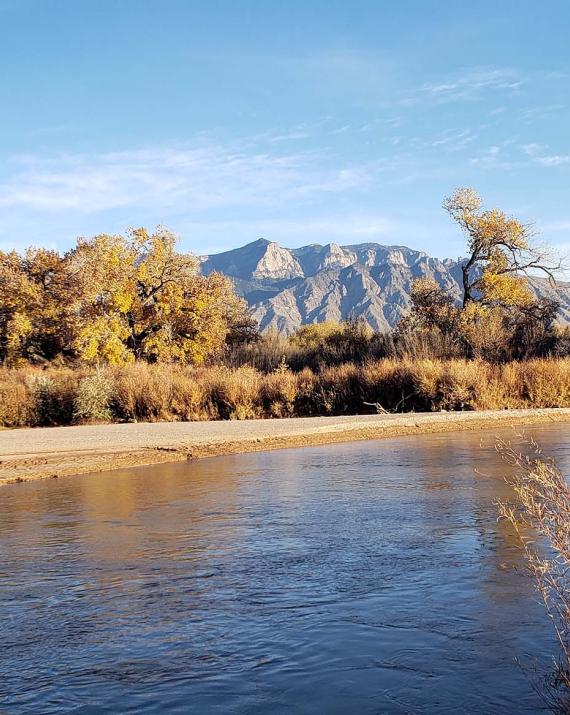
(383, 411)
(379, 409)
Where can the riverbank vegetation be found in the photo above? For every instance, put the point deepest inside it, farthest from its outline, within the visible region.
(127, 328)
(56, 396)
(542, 506)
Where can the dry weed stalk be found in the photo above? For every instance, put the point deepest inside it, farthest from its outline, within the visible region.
(543, 508)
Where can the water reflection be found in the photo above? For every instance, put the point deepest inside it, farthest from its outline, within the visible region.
(366, 577)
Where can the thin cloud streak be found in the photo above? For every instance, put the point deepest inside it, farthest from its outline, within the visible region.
(554, 160)
(471, 84)
(197, 178)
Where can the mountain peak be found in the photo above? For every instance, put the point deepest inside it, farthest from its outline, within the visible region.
(259, 242)
(289, 287)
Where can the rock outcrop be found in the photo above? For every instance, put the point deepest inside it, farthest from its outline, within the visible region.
(287, 287)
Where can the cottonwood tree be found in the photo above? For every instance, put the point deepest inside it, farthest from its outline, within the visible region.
(501, 252)
(17, 293)
(499, 316)
(141, 299)
(115, 299)
(433, 307)
(35, 297)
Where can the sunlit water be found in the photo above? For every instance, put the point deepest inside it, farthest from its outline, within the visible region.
(369, 577)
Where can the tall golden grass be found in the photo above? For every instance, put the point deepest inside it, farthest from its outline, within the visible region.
(542, 508)
(143, 392)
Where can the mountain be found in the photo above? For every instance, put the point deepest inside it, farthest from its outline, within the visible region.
(288, 287)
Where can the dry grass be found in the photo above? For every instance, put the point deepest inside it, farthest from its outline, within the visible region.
(543, 507)
(152, 393)
(16, 403)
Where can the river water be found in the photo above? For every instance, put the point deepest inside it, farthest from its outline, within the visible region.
(369, 577)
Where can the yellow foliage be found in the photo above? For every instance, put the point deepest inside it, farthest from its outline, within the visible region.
(504, 289)
(499, 252)
(102, 340)
(162, 309)
(312, 335)
(483, 330)
(32, 303)
(114, 299)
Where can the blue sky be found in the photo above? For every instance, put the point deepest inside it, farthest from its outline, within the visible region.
(301, 122)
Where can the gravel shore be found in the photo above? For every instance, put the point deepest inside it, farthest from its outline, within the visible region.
(41, 453)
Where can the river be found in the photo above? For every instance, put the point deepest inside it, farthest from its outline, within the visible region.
(368, 577)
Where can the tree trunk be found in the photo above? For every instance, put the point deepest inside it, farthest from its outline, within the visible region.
(467, 296)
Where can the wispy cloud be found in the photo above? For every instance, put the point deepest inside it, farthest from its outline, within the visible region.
(198, 178)
(486, 83)
(472, 83)
(511, 155)
(554, 160)
(342, 130)
(339, 228)
(344, 225)
(541, 112)
(494, 160)
(289, 136)
(452, 139)
(469, 85)
(533, 148)
(538, 155)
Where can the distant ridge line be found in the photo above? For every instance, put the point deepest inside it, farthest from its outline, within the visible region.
(290, 287)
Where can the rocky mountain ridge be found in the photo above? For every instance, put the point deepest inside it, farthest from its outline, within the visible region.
(289, 287)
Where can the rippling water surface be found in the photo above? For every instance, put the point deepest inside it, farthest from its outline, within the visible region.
(369, 577)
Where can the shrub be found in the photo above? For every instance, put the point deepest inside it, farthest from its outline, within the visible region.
(172, 392)
(339, 389)
(53, 397)
(449, 386)
(16, 403)
(188, 399)
(279, 392)
(142, 392)
(543, 506)
(545, 383)
(93, 398)
(234, 394)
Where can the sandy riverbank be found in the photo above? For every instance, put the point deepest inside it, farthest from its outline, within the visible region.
(61, 451)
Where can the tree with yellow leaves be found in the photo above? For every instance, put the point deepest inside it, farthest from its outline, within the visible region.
(500, 252)
(17, 293)
(115, 299)
(34, 306)
(141, 299)
(499, 315)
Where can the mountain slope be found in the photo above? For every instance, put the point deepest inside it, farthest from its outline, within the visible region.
(287, 288)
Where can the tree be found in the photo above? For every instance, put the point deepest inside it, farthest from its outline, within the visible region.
(17, 294)
(115, 299)
(499, 316)
(432, 306)
(52, 315)
(141, 299)
(534, 330)
(34, 306)
(500, 252)
(314, 335)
